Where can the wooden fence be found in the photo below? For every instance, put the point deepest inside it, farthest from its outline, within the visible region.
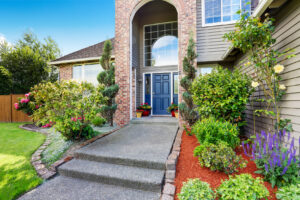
(8, 113)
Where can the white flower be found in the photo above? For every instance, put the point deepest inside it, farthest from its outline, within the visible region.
(282, 87)
(255, 84)
(278, 69)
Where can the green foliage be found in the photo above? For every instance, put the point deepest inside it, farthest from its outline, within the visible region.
(98, 121)
(172, 107)
(219, 157)
(289, 192)
(69, 105)
(186, 108)
(107, 78)
(256, 37)
(242, 187)
(194, 189)
(214, 131)
(27, 62)
(5, 81)
(222, 94)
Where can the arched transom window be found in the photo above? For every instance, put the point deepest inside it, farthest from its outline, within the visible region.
(161, 44)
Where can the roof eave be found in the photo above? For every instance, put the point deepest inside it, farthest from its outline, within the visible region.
(76, 60)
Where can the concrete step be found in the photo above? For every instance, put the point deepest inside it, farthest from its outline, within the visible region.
(66, 188)
(120, 175)
(171, 121)
(114, 159)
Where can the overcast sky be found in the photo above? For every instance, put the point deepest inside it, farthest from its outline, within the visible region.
(73, 24)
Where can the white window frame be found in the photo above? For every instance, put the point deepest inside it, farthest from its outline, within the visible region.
(144, 63)
(82, 70)
(218, 23)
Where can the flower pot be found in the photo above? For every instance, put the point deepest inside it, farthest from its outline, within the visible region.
(146, 112)
(173, 113)
(176, 114)
(139, 114)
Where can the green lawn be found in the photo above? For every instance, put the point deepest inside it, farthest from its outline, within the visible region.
(16, 172)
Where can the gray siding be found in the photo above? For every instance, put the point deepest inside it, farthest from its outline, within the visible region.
(210, 43)
(287, 34)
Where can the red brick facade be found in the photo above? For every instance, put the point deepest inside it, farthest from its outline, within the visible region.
(125, 11)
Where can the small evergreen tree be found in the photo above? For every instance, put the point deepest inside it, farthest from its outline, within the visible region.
(186, 108)
(107, 78)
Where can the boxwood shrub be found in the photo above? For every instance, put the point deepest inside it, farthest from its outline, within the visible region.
(219, 157)
(242, 187)
(194, 189)
(214, 131)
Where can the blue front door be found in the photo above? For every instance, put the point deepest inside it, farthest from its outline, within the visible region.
(161, 93)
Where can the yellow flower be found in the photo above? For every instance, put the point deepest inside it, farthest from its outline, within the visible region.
(282, 87)
(255, 84)
(278, 69)
(259, 24)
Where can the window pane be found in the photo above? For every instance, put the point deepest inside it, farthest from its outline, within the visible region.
(165, 51)
(176, 84)
(91, 72)
(212, 11)
(206, 70)
(161, 45)
(77, 73)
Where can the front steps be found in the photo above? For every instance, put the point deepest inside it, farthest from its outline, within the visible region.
(130, 161)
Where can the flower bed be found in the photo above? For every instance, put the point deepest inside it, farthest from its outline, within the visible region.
(188, 167)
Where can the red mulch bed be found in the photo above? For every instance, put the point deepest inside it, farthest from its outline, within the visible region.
(188, 167)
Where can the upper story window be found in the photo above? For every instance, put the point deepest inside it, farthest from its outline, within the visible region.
(87, 73)
(223, 11)
(161, 44)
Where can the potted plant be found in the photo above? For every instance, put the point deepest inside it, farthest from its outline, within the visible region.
(139, 113)
(173, 109)
(146, 109)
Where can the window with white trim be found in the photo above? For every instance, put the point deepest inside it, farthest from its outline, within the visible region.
(88, 72)
(223, 11)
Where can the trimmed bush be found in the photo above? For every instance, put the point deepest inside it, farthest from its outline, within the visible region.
(219, 157)
(194, 189)
(98, 121)
(222, 94)
(242, 187)
(214, 131)
(289, 192)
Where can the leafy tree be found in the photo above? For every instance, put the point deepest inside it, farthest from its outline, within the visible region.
(27, 62)
(107, 78)
(186, 108)
(5, 81)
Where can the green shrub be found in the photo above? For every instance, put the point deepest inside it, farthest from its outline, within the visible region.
(289, 192)
(222, 94)
(219, 157)
(242, 187)
(98, 121)
(69, 105)
(213, 131)
(194, 189)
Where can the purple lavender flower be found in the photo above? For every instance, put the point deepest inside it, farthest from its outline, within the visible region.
(284, 170)
(266, 167)
(265, 146)
(271, 163)
(289, 135)
(245, 150)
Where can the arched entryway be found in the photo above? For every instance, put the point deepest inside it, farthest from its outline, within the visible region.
(154, 56)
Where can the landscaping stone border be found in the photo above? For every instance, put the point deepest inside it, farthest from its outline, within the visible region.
(168, 192)
(36, 159)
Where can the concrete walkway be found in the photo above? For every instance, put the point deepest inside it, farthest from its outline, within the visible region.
(128, 164)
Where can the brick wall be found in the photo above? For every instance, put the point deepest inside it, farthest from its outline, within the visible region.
(125, 10)
(65, 71)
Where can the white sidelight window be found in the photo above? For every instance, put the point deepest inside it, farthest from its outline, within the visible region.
(223, 11)
(88, 72)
